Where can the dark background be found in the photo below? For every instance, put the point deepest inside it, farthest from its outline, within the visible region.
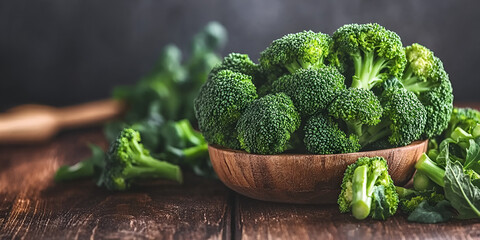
(62, 52)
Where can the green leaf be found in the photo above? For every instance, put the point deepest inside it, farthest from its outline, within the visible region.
(459, 190)
(425, 213)
(472, 161)
(89, 167)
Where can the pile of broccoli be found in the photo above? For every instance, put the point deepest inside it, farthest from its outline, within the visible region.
(358, 89)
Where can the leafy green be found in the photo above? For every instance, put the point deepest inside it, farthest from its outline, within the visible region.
(87, 168)
(426, 213)
(459, 190)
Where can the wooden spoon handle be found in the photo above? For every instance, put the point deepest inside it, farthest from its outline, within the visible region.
(32, 123)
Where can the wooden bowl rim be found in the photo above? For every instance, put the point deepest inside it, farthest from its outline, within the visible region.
(411, 145)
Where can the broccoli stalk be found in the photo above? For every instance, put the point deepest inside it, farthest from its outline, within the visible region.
(128, 161)
(429, 168)
(368, 69)
(368, 190)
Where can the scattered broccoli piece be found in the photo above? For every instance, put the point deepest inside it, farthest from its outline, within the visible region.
(403, 118)
(267, 124)
(323, 136)
(127, 161)
(305, 49)
(219, 105)
(425, 76)
(311, 90)
(87, 168)
(371, 51)
(356, 107)
(410, 199)
(368, 190)
(430, 168)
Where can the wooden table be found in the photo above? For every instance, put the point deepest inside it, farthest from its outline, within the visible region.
(32, 206)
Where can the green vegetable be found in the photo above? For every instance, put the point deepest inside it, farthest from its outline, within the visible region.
(460, 192)
(305, 50)
(368, 190)
(425, 76)
(219, 105)
(127, 161)
(87, 168)
(267, 124)
(411, 199)
(427, 213)
(372, 52)
(311, 90)
(323, 136)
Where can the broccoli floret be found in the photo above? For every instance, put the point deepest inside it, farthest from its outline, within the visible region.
(466, 119)
(425, 76)
(403, 119)
(368, 190)
(323, 136)
(219, 105)
(267, 124)
(311, 90)
(428, 167)
(127, 161)
(372, 52)
(410, 199)
(356, 107)
(305, 49)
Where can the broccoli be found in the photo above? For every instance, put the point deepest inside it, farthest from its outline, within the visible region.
(425, 76)
(372, 52)
(356, 107)
(220, 103)
(311, 90)
(323, 136)
(410, 199)
(466, 119)
(428, 167)
(305, 49)
(127, 161)
(236, 62)
(267, 124)
(403, 118)
(368, 190)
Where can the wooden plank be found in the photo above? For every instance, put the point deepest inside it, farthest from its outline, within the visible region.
(263, 220)
(32, 206)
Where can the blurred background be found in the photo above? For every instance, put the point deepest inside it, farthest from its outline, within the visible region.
(63, 52)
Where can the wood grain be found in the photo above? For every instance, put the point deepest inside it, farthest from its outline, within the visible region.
(264, 220)
(32, 206)
(303, 178)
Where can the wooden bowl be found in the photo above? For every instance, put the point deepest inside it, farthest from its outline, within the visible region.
(303, 178)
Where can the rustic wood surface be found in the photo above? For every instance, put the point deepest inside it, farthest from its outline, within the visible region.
(303, 178)
(32, 206)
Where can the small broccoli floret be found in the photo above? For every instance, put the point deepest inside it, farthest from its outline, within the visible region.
(425, 76)
(311, 90)
(430, 168)
(305, 49)
(219, 105)
(240, 63)
(356, 107)
(371, 51)
(410, 199)
(466, 119)
(323, 136)
(403, 119)
(127, 160)
(267, 124)
(368, 190)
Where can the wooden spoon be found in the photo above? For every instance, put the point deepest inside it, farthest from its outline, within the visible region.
(303, 178)
(34, 123)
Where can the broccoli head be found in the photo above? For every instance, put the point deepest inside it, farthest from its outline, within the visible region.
(127, 161)
(356, 107)
(311, 90)
(305, 49)
(372, 52)
(368, 190)
(267, 124)
(403, 119)
(323, 136)
(410, 199)
(220, 103)
(425, 76)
